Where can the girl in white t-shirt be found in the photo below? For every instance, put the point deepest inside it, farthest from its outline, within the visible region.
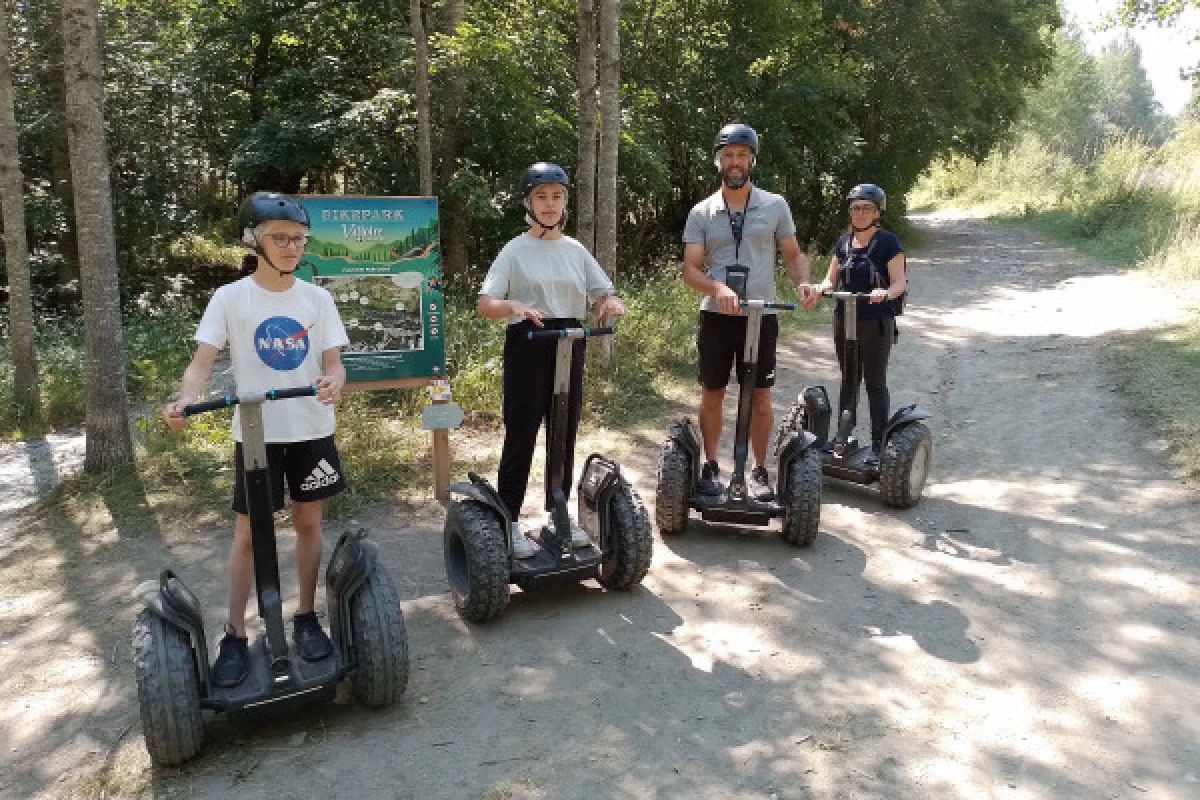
(541, 279)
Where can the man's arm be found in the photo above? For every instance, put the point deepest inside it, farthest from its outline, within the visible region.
(797, 267)
(695, 277)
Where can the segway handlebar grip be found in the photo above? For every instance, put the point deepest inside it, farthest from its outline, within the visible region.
(208, 405)
(845, 295)
(572, 333)
(299, 391)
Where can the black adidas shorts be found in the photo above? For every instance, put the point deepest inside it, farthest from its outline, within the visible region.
(720, 340)
(313, 471)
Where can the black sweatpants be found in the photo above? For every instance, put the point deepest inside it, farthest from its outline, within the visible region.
(528, 396)
(875, 339)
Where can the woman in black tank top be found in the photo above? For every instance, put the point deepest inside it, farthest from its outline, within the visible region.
(868, 260)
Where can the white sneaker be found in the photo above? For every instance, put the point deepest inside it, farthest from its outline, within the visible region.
(521, 546)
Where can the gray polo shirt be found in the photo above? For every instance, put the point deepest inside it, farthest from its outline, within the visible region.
(767, 220)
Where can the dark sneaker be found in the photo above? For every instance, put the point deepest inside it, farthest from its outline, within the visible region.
(760, 485)
(708, 479)
(872, 461)
(233, 660)
(309, 638)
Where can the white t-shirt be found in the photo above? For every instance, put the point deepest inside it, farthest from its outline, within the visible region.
(557, 276)
(275, 342)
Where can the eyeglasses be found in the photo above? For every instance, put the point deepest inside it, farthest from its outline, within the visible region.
(862, 208)
(283, 240)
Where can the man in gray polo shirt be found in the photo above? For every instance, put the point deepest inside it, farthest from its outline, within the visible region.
(740, 226)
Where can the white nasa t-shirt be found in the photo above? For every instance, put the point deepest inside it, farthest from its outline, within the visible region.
(275, 342)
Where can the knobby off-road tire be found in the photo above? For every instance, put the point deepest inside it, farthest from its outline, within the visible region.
(802, 505)
(476, 561)
(674, 489)
(168, 690)
(380, 642)
(905, 464)
(630, 544)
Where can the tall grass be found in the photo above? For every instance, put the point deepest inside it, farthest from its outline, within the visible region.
(1129, 204)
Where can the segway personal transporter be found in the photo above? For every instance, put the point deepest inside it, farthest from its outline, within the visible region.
(907, 447)
(171, 653)
(480, 564)
(798, 479)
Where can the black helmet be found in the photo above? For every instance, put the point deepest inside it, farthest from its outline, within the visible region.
(870, 192)
(262, 207)
(543, 172)
(736, 133)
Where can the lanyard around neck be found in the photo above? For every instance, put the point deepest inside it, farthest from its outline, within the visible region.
(737, 229)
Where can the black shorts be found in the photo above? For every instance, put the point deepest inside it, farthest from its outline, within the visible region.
(720, 341)
(313, 471)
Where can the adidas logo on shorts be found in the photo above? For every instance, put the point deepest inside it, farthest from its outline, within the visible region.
(322, 475)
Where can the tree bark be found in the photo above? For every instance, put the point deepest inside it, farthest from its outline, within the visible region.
(16, 249)
(109, 446)
(424, 146)
(585, 180)
(453, 209)
(609, 75)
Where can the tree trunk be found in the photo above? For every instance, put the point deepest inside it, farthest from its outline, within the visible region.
(109, 446)
(585, 180)
(610, 134)
(16, 249)
(424, 147)
(453, 209)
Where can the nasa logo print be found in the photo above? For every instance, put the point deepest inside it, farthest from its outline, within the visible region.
(282, 343)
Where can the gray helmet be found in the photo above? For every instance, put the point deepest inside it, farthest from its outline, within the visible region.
(543, 172)
(262, 207)
(736, 133)
(869, 192)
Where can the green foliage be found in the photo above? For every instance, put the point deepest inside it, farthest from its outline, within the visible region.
(209, 100)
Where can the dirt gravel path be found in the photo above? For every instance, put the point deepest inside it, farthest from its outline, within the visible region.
(1028, 631)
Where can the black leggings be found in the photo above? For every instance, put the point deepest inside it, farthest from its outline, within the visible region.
(528, 396)
(875, 339)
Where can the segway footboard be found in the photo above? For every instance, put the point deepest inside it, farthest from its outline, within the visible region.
(612, 514)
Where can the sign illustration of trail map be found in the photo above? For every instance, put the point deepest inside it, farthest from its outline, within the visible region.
(379, 258)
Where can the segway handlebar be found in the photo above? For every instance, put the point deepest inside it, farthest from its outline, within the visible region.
(845, 295)
(572, 333)
(233, 399)
(767, 306)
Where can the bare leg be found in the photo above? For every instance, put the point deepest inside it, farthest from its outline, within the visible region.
(306, 520)
(241, 573)
(711, 402)
(760, 425)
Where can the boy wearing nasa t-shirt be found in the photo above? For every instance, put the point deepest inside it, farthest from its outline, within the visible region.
(281, 333)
